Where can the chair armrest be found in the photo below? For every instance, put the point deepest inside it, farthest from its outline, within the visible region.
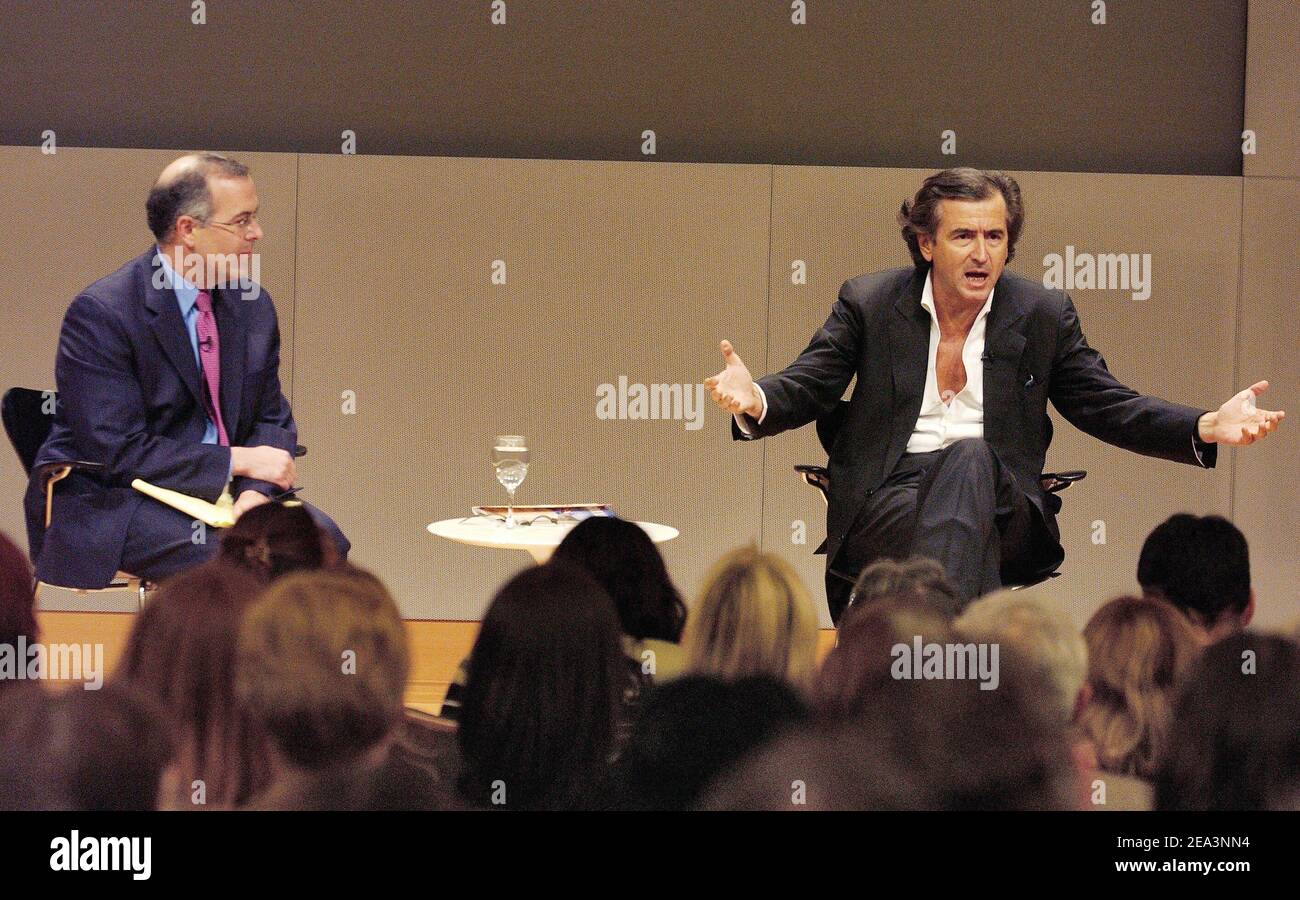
(52, 473)
(1055, 482)
(817, 476)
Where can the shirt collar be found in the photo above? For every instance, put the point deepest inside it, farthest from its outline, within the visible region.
(927, 299)
(186, 294)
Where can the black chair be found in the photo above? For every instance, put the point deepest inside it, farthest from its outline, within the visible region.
(828, 426)
(28, 417)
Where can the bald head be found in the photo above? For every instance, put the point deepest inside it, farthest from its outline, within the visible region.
(182, 189)
(190, 162)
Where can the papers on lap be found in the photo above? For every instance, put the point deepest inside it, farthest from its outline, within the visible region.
(215, 515)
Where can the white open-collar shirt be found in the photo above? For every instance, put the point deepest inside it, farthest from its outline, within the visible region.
(941, 424)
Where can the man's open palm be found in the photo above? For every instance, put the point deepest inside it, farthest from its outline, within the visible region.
(733, 387)
(1239, 421)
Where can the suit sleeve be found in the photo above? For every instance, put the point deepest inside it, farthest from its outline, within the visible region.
(1095, 402)
(102, 402)
(273, 424)
(815, 382)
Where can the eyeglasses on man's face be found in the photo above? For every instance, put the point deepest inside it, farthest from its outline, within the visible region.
(240, 225)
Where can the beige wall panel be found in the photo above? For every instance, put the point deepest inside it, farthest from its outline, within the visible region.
(612, 269)
(841, 222)
(1273, 87)
(1266, 503)
(72, 217)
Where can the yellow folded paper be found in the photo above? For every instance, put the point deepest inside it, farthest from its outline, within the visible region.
(216, 515)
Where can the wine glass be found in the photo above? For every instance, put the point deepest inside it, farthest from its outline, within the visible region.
(510, 459)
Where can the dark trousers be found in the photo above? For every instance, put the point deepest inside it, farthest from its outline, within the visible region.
(959, 506)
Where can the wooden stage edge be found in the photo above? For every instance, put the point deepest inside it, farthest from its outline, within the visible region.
(437, 647)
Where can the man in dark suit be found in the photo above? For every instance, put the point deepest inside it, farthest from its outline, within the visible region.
(168, 371)
(945, 437)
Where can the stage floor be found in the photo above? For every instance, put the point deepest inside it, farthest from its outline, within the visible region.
(437, 647)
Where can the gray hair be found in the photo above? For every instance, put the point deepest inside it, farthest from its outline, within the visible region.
(1041, 631)
(187, 194)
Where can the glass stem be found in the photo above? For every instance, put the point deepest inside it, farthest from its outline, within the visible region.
(510, 509)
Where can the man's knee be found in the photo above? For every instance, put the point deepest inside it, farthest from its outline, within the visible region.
(972, 449)
(964, 474)
(332, 530)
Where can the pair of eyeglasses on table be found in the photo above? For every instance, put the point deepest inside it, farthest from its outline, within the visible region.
(551, 515)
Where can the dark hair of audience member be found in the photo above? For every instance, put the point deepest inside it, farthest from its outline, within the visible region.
(1140, 650)
(77, 749)
(17, 601)
(323, 663)
(940, 744)
(863, 653)
(273, 539)
(182, 652)
(1235, 741)
(626, 563)
(917, 579)
(693, 729)
(1199, 564)
(545, 680)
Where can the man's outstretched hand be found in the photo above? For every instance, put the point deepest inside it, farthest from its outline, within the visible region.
(733, 388)
(1239, 421)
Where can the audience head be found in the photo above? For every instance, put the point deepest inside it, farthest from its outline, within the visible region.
(863, 656)
(79, 749)
(1235, 740)
(919, 745)
(693, 729)
(916, 580)
(273, 539)
(323, 666)
(17, 601)
(1044, 634)
(1202, 566)
(546, 677)
(182, 653)
(1139, 652)
(626, 563)
(754, 617)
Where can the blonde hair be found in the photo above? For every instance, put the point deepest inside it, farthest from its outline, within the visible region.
(755, 617)
(1139, 651)
(323, 664)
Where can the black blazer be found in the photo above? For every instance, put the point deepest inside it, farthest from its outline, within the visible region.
(1034, 351)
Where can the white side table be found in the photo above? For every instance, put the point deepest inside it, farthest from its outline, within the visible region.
(539, 539)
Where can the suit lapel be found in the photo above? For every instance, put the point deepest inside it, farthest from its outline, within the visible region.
(169, 328)
(1004, 342)
(909, 344)
(232, 332)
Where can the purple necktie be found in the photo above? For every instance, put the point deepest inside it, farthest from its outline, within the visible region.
(210, 362)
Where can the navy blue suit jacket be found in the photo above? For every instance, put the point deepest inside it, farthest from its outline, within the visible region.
(1034, 351)
(131, 398)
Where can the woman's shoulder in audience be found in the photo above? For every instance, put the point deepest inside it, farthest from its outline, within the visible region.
(664, 659)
